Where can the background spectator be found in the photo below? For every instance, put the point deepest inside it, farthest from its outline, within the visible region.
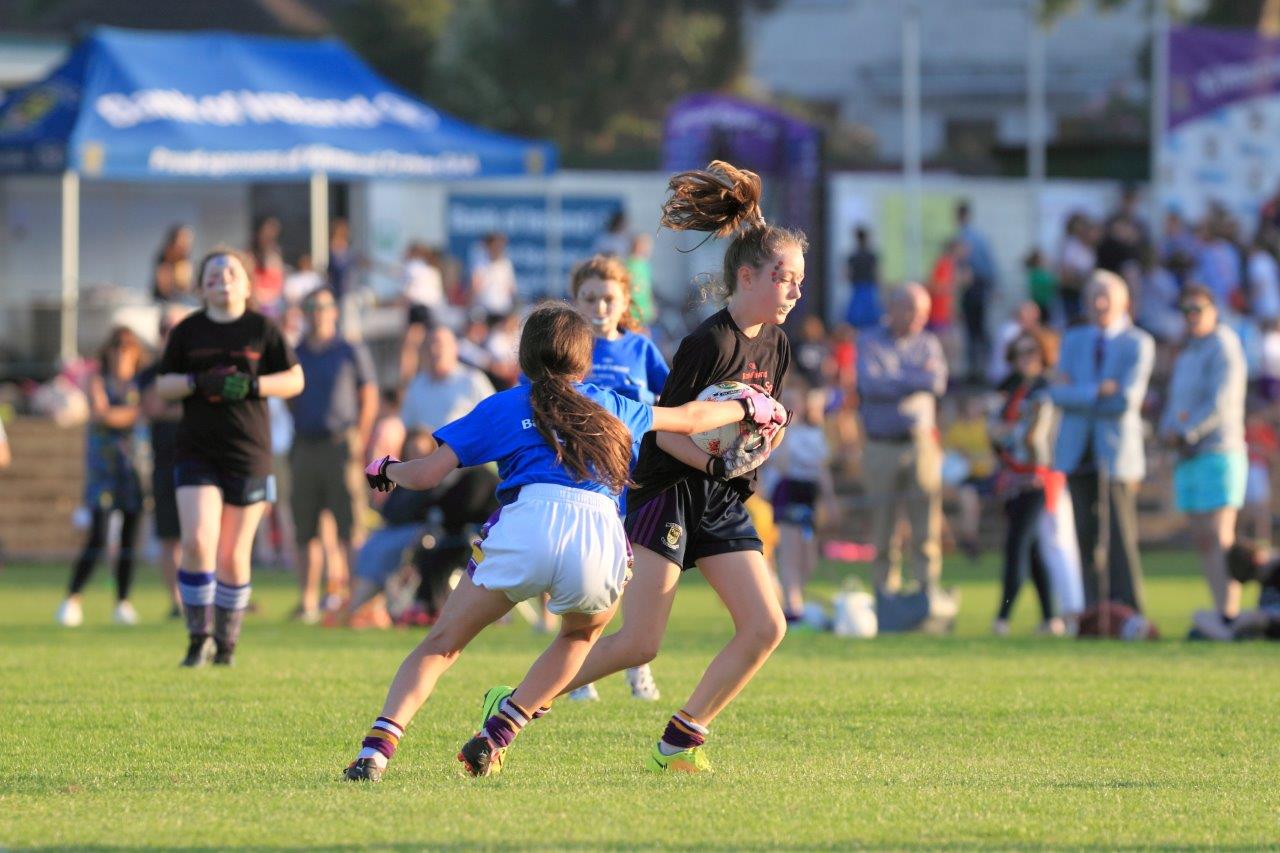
(444, 389)
(1103, 379)
(1203, 424)
(863, 271)
(171, 276)
(901, 374)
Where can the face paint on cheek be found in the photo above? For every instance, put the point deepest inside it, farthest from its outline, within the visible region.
(776, 274)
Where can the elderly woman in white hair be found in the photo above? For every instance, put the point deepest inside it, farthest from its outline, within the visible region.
(1103, 374)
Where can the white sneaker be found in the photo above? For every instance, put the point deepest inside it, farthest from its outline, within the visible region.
(640, 679)
(585, 693)
(69, 614)
(1000, 627)
(125, 614)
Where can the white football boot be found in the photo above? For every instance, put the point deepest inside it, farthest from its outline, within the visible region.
(640, 679)
(125, 614)
(585, 693)
(69, 614)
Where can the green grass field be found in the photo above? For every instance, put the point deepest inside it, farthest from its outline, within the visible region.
(902, 742)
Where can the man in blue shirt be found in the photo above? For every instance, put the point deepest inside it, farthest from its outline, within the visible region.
(901, 374)
(332, 420)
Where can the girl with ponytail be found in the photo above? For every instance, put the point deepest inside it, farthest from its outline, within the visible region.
(564, 450)
(685, 508)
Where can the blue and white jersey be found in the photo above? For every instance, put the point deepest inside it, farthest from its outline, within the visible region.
(501, 429)
(631, 366)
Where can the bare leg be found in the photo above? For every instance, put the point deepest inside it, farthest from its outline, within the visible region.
(791, 567)
(170, 554)
(555, 667)
(1214, 534)
(646, 607)
(309, 566)
(741, 579)
(466, 613)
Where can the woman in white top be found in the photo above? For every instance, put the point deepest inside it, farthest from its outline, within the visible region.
(493, 283)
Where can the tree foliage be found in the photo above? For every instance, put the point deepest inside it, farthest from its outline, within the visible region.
(595, 76)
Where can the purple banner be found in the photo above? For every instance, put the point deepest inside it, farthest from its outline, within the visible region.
(1210, 69)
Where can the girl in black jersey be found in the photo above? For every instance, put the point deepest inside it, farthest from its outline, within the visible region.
(686, 507)
(221, 362)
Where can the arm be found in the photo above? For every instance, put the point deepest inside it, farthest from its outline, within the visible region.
(285, 384)
(173, 386)
(368, 413)
(697, 416)
(1068, 394)
(682, 447)
(425, 473)
(1132, 383)
(1226, 374)
(102, 412)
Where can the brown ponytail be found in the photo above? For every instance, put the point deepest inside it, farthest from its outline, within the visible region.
(555, 352)
(607, 268)
(725, 200)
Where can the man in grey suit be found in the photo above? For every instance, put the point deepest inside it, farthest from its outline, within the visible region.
(1102, 380)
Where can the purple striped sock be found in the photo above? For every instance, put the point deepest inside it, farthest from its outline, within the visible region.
(501, 729)
(682, 733)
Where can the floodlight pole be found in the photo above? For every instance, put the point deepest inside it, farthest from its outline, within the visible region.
(1036, 125)
(1159, 100)
(70, 266)
(911, 145)
(319, 221)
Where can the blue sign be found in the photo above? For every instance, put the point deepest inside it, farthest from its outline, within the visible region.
(528, 224)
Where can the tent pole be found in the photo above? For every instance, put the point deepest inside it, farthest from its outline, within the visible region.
(70, 267)
(320, 220)
(1036, 125)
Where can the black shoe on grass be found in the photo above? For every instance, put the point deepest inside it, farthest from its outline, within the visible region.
(362, 770)
(224, 656)
(480, 757)
(199, 652)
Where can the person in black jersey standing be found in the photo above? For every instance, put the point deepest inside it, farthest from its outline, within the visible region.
(686, 507)
(222, 362)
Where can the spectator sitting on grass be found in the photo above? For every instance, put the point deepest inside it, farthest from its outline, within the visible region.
(1246, 563)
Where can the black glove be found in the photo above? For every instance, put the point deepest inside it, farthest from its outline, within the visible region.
(376, 473)
(224, 384)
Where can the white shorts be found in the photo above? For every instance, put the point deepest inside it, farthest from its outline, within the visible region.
(559, 540)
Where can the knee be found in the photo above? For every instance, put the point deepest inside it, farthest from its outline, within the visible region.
(196, 552)
(443, 644)
(765, 635)
(640, 650)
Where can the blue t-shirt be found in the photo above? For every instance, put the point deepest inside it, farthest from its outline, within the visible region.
(631, 366)
(501, 429)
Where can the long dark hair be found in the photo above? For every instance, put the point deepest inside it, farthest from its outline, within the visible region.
(725, 200)
(555, 352)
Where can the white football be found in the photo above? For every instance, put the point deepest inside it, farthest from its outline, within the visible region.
(744, 432)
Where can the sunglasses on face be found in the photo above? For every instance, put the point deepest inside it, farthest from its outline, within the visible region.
(1193, 308)
(1023, 352)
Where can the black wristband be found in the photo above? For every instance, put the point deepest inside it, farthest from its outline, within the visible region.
(746, 408)
(254, 394)
(191, 382)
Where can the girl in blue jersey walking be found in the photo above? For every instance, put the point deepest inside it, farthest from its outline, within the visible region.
(564, 450)
(622, 360)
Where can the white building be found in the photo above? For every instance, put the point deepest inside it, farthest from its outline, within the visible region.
(973, 64)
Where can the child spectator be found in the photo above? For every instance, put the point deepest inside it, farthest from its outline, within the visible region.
(1042, 284)
(801, 462)
(1247, 563)
(967, 438)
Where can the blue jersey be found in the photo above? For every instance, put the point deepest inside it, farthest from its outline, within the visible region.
(631, 366)
(501, 429)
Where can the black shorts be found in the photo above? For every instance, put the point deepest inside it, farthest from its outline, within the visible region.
(236, 490)
(165, 500)
(697, 517)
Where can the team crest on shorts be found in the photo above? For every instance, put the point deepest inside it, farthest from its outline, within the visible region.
(674, 532)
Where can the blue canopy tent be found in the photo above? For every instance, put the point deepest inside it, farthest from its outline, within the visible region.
(147, 106)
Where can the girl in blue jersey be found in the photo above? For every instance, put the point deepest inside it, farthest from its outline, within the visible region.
(622, 360)
(564, 450)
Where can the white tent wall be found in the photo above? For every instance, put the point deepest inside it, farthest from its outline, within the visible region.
(1003, 209)
(121, 227)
